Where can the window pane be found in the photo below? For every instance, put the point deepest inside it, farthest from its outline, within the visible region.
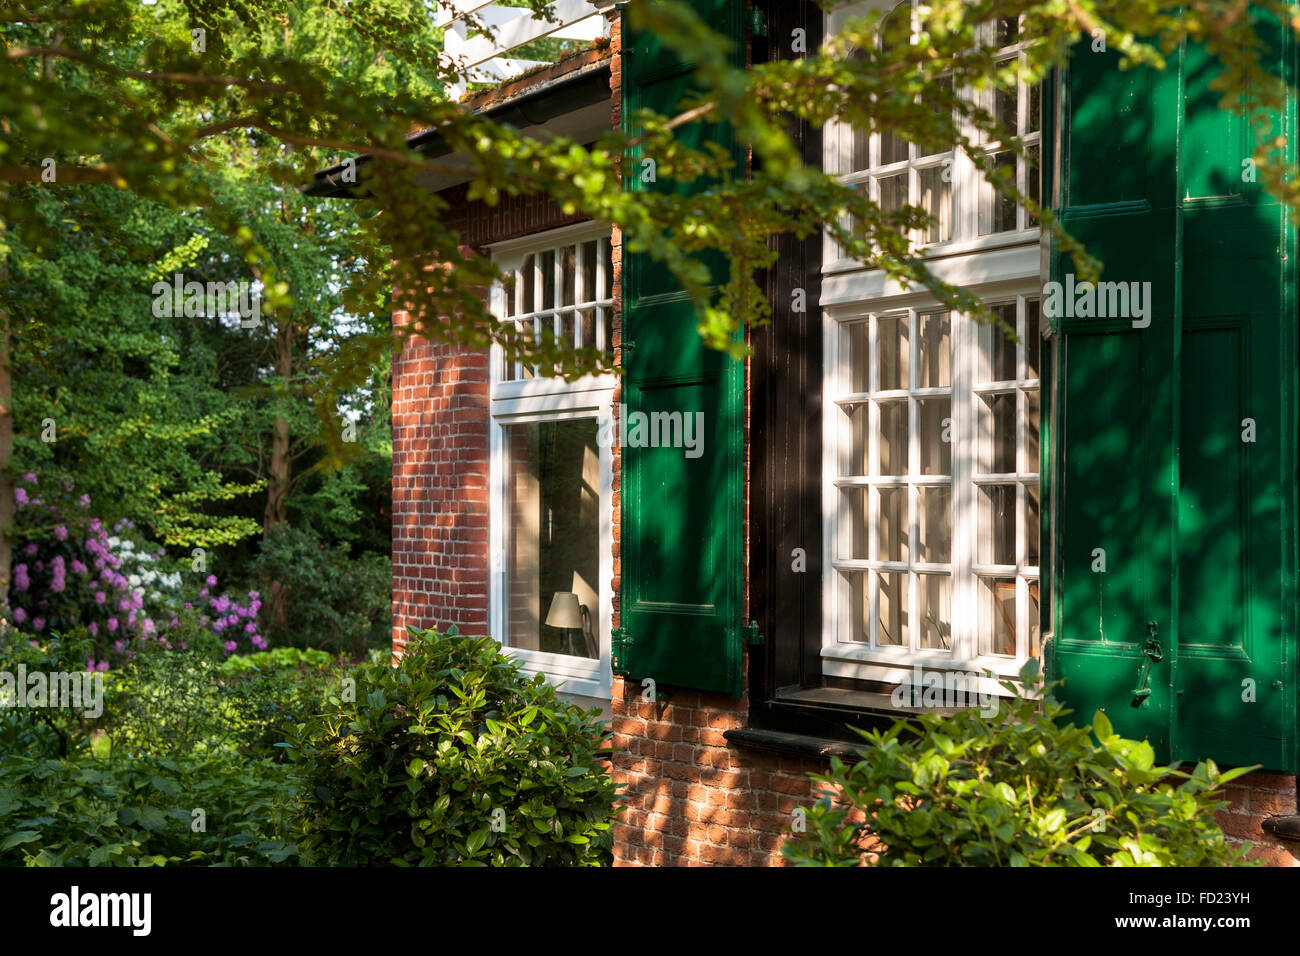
(935, 424)
(547, 263)
(1033, 182)
(892, 356)
(858, 536)
(997, 616)
(891, 526)
(997, 528)
(999, 347)
(998, 434)
(893, 192)
(588, 273)
(891, 589)
(893, 149)
(588, 328)
(934, 524)
(553, 477)
(606, 251)
(1007, 31)
(567, 335)
(1031, 525)
(1035, 625)
(1031, 433)
(936, 199)
(568, 275)
(891, 441)
(858, 356)
(998, 210)
(1033, 339)
(859, 607)
(1004, 112)
(934, 605)
(1035, 108)
(858, 425)
(936, 350)
(526, 275)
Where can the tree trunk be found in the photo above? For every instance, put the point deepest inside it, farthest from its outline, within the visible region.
(6, 441)
(277, 490)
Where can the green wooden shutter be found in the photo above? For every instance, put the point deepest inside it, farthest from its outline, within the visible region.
(681, 544)
(1150, 472)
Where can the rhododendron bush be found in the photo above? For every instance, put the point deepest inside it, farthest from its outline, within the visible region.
(73, 572)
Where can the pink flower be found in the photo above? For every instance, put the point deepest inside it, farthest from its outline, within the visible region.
(102, 666)
(20, 496)
(119, 646)
(210, 580)
(84, 501)
(79, 568)
(93, 628)
(19, 615)
(61, 532)
(30, 478)
(38, 624)
(230, 647)
(259, 642)
(21, 581)
(30, 550)
(250, 628)
(100, 597)
(111, 623)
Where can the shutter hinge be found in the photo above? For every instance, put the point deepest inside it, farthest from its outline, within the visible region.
(752, 634)
(619, 641)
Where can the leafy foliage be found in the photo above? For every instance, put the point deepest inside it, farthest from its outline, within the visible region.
(333, 601)
(453, 757)
(140, 811)
(1016, 789)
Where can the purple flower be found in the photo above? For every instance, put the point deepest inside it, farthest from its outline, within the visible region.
(21, 581)
(79, 568)
(100, 597)
(38, 624)
(203, 593)
(111, 624)
(102, 666)
(254, 596)
(93, 628)
(230, 647)
(250, 628)
(210, 580)
(19, 615)
(148, 626)
(30, 550)
(30, 478)
(259, 642)
(84, 501)
(61, 532)
(20, 496)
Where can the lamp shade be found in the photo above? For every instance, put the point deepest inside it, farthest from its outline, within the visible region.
(564, 610)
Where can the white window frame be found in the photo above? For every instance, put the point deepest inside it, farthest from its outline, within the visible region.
(999, 268)
(522, 401)
(967, 184)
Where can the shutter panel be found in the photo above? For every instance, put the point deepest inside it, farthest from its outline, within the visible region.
(681, 532)
(1196, 524)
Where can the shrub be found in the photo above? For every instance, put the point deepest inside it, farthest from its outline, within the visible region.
(330, 600)
(174, 702)
(140, 811)
(1019, 790)
(453, 757)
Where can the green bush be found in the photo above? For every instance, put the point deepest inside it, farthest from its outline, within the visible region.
(141, 811)
(167, 703)
(331, 600)
(454, 757)
(1017, 789)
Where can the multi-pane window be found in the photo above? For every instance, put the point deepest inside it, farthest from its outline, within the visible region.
(1018, 112)
(941, 180)
(551, 474)
(935, 549)
(894, 172)
(564, 291)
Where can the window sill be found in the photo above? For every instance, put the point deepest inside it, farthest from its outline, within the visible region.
(799, 745)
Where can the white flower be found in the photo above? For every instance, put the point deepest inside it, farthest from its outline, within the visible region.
(133, 580)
